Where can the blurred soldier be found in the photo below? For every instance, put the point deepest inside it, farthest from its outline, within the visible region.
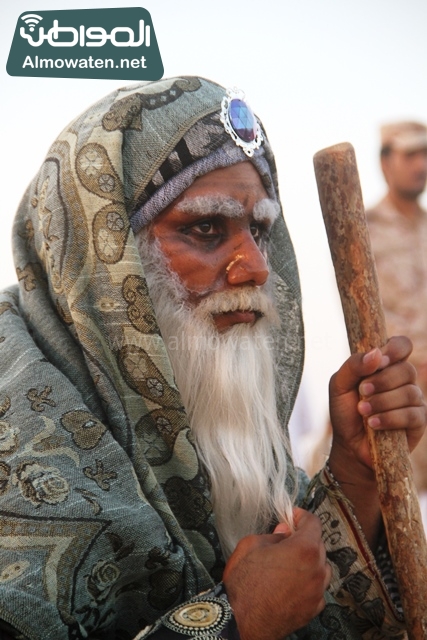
(398, 228)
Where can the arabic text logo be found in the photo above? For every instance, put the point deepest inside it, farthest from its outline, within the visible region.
(90, 37)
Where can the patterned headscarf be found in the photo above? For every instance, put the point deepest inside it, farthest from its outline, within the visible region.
(100, 480)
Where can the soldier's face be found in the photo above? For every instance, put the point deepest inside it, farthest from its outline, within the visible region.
(406, 172)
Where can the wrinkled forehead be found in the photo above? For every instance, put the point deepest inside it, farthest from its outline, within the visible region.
(228, 191)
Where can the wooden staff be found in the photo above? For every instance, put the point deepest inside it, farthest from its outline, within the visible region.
(344, 216)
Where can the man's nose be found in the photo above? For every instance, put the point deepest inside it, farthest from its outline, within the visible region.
(248, 265)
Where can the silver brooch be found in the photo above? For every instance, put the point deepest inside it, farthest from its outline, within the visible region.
(240, 122)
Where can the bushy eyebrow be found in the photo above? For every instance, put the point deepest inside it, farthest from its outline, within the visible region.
(265, 210)
(212, 205)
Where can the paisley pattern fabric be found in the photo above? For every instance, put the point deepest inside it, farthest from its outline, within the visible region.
(106, 521)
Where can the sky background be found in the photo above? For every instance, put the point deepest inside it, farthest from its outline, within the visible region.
(317, 72)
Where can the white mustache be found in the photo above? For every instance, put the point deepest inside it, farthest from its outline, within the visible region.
(241, 299)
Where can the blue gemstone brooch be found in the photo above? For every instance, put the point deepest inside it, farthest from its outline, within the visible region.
(239, 121)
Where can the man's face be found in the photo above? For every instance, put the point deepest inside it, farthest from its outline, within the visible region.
(406, 172)
(215, 236)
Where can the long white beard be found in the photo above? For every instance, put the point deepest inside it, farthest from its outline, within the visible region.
(227, 384)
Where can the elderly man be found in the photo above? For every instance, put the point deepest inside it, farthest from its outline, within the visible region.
(398, 229)
(150, 361)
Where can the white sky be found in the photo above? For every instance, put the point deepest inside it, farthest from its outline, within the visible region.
(317, 72)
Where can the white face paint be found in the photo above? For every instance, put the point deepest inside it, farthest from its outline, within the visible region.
(211, 205)
(265, 210)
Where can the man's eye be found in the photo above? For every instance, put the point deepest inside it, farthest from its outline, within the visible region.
(205, 227)
(258, 231)
(255, 230)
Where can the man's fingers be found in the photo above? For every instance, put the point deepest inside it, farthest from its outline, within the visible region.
(283, 528)
(257, 541)
(355, 368)
(409, 418)
(394, 376)
(363, 365)
(301, 516)
(397, 348)
(279, 568)
(305, 524)
(404, 397)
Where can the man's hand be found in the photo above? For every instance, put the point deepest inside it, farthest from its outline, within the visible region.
(380, 386)
(386, 382)
(276, 583)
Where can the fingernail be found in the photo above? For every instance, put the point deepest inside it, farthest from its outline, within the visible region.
(385, 361)
(368, 357)
(283, 529)
(366, 389)
(374, 422)
(365, 408)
